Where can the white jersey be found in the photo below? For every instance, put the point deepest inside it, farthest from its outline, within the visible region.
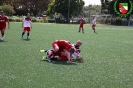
(75, 54)
(94, 21)
(27, 22)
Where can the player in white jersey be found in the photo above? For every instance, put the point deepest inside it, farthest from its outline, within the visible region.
(94, 23)
(63, 55)
(26, 25)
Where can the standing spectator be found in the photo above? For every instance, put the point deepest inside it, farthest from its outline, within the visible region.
(26, 25)
(3, 20)
(94, 23)
(81, 26)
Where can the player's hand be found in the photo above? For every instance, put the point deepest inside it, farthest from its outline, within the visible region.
(8, 27)
(81, 58)
(71, 62)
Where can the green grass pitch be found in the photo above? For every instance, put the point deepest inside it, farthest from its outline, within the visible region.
(108, 57)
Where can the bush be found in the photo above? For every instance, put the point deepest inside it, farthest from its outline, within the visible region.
(45, 19)
(51, 20)
(118, 21)
(11, 19)
(18, 20)
(34, 19)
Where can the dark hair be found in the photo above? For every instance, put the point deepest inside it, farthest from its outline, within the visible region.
(72, 50)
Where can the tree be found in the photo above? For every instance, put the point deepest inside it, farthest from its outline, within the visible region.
(66, 7)
(8, 9)
(92, 10)
(23, 6)
(105, 6)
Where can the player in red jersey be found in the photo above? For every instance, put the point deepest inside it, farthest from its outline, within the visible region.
(81, 26)
(62, 46)
(26, 25)
(61, 55)
(3, 20)
(76, 54)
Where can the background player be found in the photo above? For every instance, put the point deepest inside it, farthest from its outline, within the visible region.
(3, 20)
(94, 23)
(81, 26)
(26, 25)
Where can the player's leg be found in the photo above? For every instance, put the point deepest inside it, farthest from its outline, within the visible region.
(54, 51)
(28, 32)
(47, 52)
(23, 32)
(93, 27)
(82, 29)
(2, 33)
(79, 28)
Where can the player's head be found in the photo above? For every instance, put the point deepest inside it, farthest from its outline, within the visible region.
(93, 16)
(2, 13)
(28, 14)
(78, 43)
(72, 50)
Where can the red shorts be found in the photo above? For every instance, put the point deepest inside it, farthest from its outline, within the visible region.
(4, 27)
(81, 25)
(27, 29)
(63, 58)
(58, 53)
(93, 25)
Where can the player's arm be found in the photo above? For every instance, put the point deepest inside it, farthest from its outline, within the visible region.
(68, 56)
(79, 58)
(30, 24)
(76, 55)
(7, 20)
(8, 23)
(22, 24)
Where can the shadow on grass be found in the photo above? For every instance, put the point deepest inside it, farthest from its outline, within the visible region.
(26, 39)
(2, 41)
(64, 62)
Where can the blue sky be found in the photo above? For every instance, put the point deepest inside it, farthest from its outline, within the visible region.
(94, 2)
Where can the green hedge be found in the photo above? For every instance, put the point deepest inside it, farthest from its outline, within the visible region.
(107, 20)
(114, 21)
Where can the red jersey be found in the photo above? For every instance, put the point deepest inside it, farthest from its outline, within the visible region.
(81, 22)
(3, 20)
(63, 44)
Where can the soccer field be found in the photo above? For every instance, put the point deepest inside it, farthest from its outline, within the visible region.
(108, 57)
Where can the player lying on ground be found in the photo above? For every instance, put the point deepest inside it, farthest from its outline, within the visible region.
(62, 46)
(63, 56)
